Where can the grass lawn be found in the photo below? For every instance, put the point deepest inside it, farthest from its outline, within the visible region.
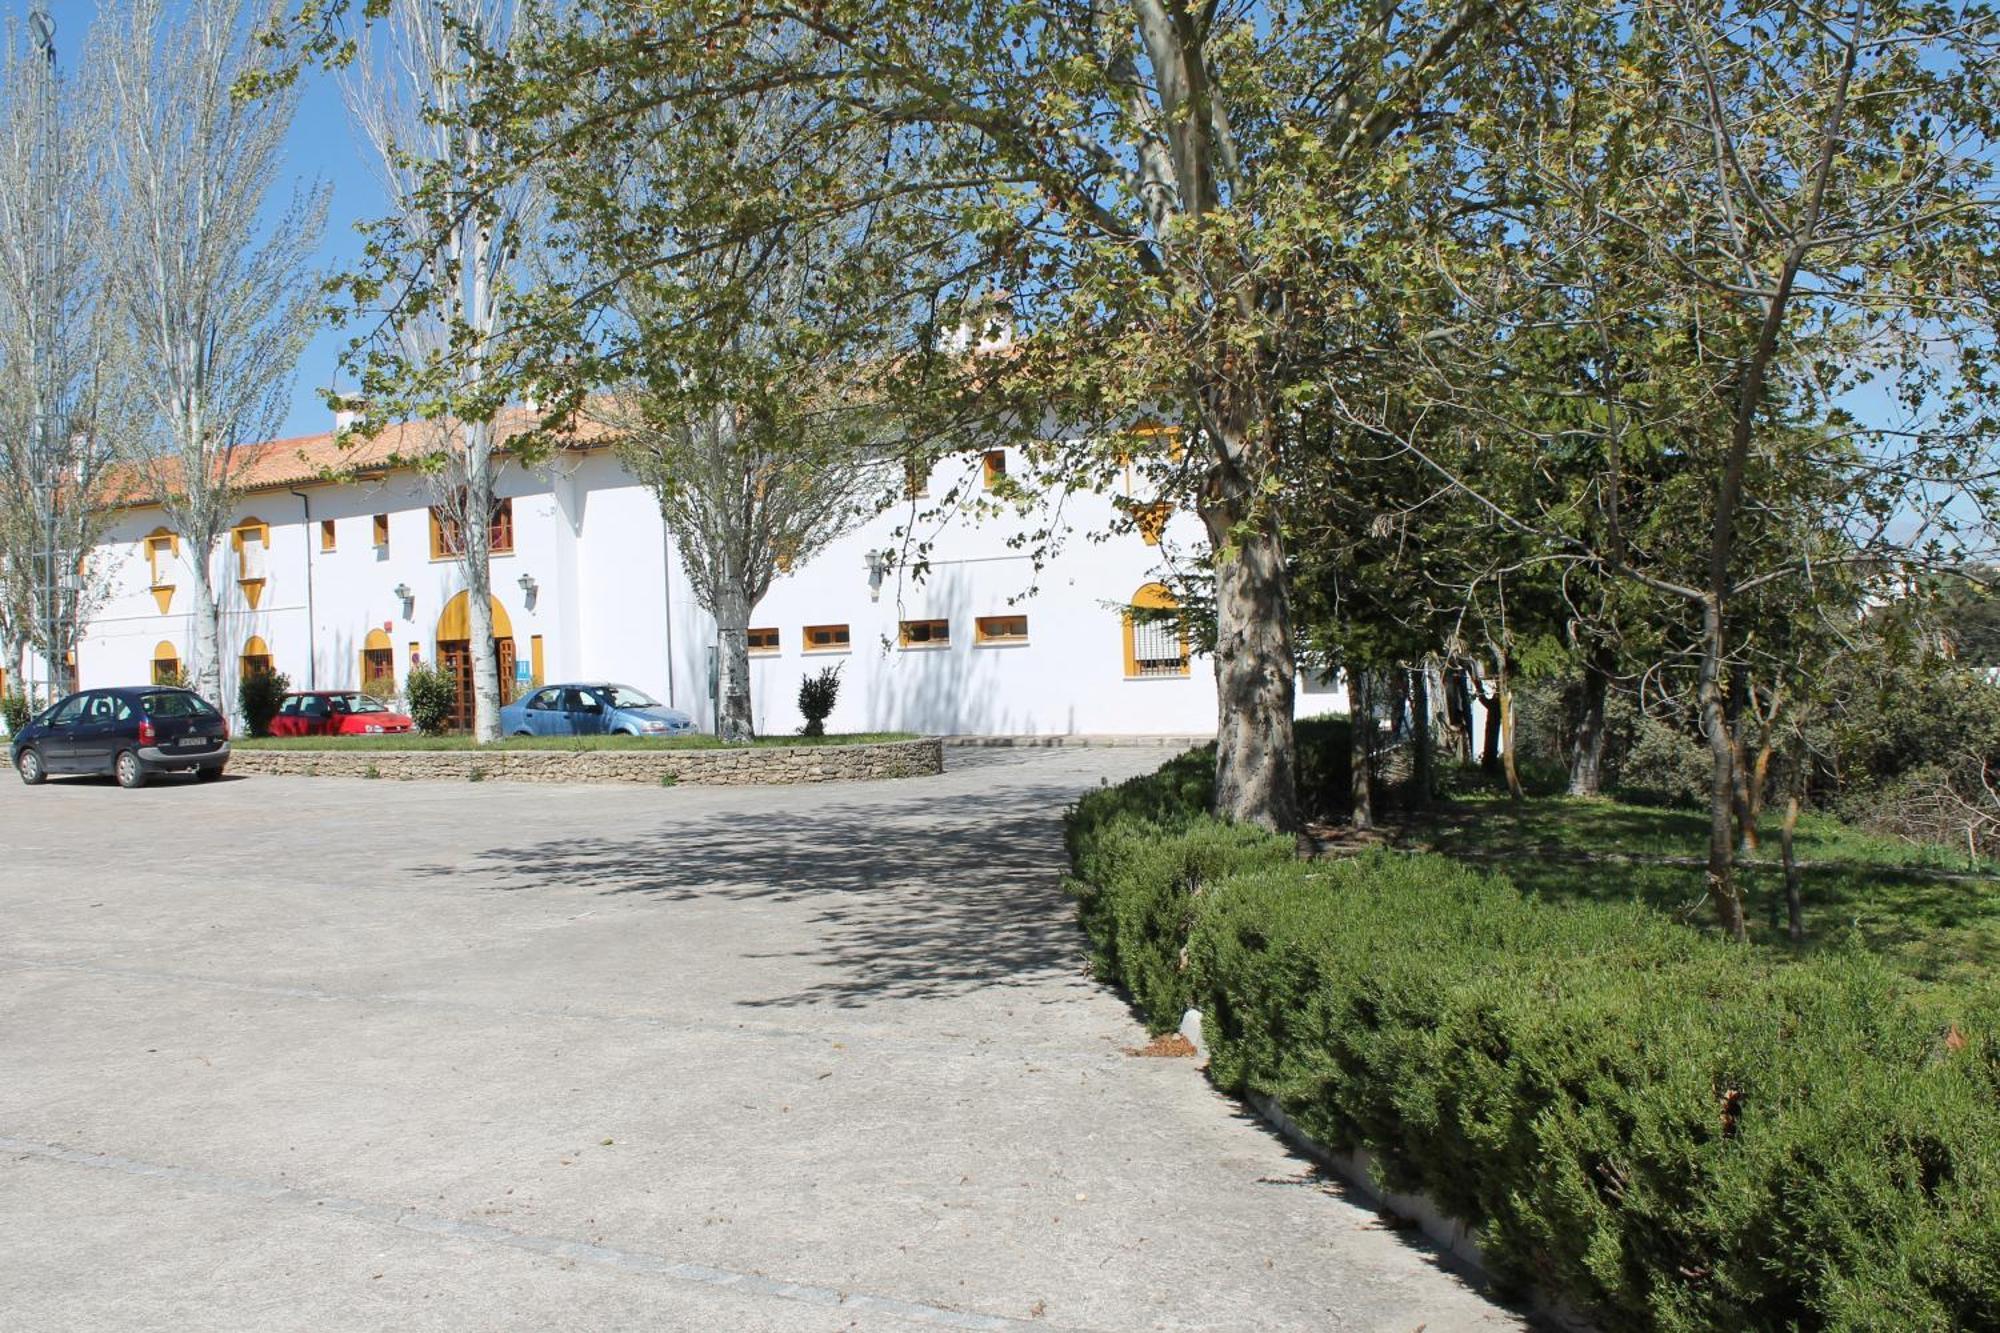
(1855, 884)
(376, 743)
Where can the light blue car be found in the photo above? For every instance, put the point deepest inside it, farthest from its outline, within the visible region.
(592, 709)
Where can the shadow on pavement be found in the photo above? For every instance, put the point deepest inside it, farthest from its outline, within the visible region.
(949, 895)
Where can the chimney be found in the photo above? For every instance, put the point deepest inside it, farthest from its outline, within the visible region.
(350, 411)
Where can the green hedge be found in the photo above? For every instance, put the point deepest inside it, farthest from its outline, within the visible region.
(1661, 1128)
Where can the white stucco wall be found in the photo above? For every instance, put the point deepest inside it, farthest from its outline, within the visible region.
(613, 602)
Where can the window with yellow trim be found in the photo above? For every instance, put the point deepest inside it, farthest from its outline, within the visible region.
(924, 633)
(828, 639)
(761, 640)
(448, 534)
(916, 479)
(326, 534)
(381, 524)
(1002, 629)
(252, 541)
(1155, 645)
(161, 548)
(378, 663)
(993, 467)
(166, 664)
(256, 658)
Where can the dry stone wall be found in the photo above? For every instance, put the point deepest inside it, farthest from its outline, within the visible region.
(709, 768)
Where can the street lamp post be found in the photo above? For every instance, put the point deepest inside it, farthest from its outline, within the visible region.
(46, 443)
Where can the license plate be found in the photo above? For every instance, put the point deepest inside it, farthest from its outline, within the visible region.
(192, 742)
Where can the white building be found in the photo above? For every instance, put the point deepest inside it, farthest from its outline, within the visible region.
(336, 581)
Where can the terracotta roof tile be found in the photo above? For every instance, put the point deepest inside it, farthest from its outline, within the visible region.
(278, 464)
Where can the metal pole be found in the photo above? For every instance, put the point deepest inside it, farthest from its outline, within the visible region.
(44, 447)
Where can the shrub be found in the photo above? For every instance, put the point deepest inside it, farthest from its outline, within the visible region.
(817, 696)
(259, 696)
(431, 691)
(1665, 1130)
(16, 710)
(1665, 766)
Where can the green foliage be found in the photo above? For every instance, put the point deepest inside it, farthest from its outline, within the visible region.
(259, 696)
(817, 695)
(1666, 1130)
(15, 710)
(431, 691)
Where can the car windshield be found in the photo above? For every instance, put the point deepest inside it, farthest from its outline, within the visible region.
(624, 696)
(359, 703)
(175, 703)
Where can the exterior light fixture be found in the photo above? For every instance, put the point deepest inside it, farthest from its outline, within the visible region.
(402, 590)
(529, 588)
(879, 563)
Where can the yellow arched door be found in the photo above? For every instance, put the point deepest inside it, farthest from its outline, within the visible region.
(454, 653)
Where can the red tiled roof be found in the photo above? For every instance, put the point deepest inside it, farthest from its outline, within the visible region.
(303, 459)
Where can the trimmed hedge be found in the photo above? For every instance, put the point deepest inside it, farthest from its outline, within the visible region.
(1659, 1127)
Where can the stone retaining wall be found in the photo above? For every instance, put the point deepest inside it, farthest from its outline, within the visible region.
(711, 768)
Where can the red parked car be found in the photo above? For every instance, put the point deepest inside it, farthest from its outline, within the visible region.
(337, 713)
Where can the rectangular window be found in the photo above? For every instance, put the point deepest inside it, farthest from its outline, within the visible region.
(251, 543)
(378, 670)
(926, 633)
(448, 538)
(326, 534)
(1157, 649)
(159, 557)
(916, 479)
(827, 639)
(994, 466)
(1003, 629)
(762, 640)
(382, 532)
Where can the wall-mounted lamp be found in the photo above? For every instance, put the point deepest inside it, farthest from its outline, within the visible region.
(409, 598)
(529, 588)
(879, 565)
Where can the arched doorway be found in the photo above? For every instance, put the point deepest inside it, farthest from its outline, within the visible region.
(454, 653)
(166, 664)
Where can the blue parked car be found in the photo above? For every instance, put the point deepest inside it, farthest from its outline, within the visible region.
(594, 709)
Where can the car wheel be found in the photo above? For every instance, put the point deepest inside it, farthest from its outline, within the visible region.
(524, 733)
(32, 771)
(208, 773)
(130, 772)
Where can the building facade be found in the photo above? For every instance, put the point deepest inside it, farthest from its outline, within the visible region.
(342, 582)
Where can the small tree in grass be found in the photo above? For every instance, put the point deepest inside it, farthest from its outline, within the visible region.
(817, 696)
(431, 691)
(259, 695)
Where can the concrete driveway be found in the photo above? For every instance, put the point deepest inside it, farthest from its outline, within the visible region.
(320, 1054)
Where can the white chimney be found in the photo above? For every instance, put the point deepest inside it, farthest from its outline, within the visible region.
(350, 411)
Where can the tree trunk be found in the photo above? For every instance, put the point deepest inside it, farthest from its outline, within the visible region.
(1255, 676)
(1795, 920)
(734, 720)
(1489, 754)
(1721, 876)
(1360, 746)
(1505, 691)
(476, 532)
(1586, 751)
(207, 674)
(1755, 795)
(1734, 704)
(1420, 735)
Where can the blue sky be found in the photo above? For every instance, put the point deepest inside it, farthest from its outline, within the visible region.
(321, 147)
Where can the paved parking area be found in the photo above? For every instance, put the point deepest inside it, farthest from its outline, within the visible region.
(320, 1054)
